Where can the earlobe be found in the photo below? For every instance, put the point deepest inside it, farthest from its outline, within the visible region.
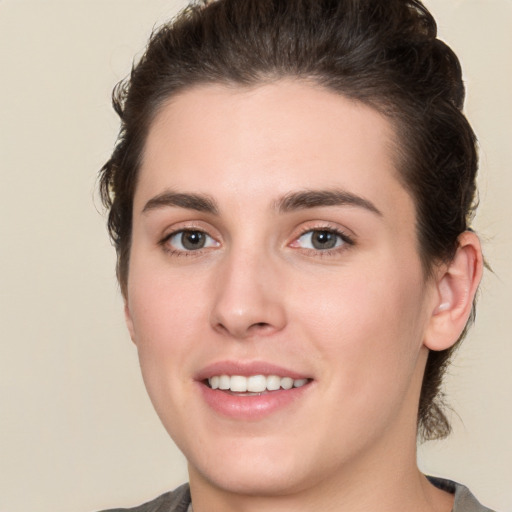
(129, 321)
(456, 286)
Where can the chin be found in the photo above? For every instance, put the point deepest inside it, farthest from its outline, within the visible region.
(248, 478)
(257, 467)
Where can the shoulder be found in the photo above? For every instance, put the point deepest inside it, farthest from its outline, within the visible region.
(173, 501)
(464, 499)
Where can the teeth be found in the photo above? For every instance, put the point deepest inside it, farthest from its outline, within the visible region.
(238, 383)
(254, 383)
(273, 382)
(287, 383)
(224, 382)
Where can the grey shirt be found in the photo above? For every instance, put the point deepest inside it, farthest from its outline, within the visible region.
(179, 500)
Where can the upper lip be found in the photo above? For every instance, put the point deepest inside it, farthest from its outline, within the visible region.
(246, 369)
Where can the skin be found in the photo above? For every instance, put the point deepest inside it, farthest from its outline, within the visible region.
(357, 319)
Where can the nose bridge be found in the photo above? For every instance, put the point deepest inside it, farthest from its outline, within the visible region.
(248, 297)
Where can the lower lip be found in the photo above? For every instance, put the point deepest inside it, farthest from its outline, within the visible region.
(251, 407)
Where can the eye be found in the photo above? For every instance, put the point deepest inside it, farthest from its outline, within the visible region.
(321, 240)
(190, 240)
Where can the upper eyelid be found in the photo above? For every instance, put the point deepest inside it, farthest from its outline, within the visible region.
(346, 238)
(195, 225)
(318, 225)
(174, 232)
(322, 228)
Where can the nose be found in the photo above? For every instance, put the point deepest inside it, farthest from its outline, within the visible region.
(249, 296)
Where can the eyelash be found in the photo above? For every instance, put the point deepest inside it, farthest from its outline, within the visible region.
(345, 239)
(179, 252)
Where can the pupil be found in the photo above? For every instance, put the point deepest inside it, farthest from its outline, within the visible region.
(324, 240)
(193, 240)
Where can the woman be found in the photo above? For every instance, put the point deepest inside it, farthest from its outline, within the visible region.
(290, 199)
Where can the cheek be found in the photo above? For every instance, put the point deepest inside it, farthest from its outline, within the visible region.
(371, 327)
(167, 317)
(168, 314)
(162, 304)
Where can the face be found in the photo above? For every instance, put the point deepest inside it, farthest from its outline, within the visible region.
(275, 292)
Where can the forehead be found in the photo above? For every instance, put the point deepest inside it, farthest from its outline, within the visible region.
(263, 141)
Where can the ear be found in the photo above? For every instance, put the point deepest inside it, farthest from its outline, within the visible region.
(129, 321)
(456, 286)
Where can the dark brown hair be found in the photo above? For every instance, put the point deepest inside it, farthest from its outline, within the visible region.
(384, 53)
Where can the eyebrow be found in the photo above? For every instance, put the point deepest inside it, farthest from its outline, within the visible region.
(198, 202)
(317, 198)
(293, 201)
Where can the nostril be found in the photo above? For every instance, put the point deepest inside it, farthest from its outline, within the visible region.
(261, 328)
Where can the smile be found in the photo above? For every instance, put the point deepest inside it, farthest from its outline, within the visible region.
(252, 390)
(254, 383)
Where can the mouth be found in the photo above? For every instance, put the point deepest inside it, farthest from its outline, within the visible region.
(252, 390)
(253, 385)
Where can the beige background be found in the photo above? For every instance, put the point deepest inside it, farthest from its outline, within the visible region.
(77, 432)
